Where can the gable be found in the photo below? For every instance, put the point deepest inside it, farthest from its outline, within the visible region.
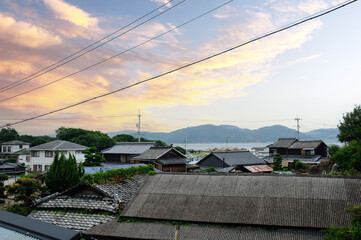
(212, 161)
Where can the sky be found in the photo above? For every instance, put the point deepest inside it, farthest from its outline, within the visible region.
(310, 71)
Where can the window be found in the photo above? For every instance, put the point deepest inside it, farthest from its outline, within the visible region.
(48, 154)
(20, 146)
(4, 148)
(47, 167)
(37, 168)
(9, 149)
(28, 158)
(35, 154)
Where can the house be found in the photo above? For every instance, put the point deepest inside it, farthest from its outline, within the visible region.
(235, 206)
(42, 156)
(83, 206)
(281, 146)
(166, 159)
(11, 168)
(15, 226)
(7, 149)
(122, 152)
(237, 160)
(291, 146)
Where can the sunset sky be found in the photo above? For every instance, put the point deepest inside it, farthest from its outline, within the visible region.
(311, 71)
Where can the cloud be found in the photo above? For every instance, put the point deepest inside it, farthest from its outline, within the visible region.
(162, 2)
(70, 13)
(26, 34)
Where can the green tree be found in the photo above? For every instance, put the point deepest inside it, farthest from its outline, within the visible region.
(125, 138)
(85, 137)
(349, 156)
(3, 177)
(332, 149)
(277, 162)
(26, 190)
(180, 149)
(8, 134)
(63, 173)
(352, 232)
(92, 157)
(350, 127)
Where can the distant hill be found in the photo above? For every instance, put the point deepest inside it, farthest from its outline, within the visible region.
(218, 134)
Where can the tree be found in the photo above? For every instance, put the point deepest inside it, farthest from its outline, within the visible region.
(352, 232)
(277, 162)
(349, 156)
(125, 138)
(85, 137)
(25, 189)
(332, 149)
(92, 157)
(63, 173)
(8, 134)
(3, 177)
(350, 127)
(180, 149)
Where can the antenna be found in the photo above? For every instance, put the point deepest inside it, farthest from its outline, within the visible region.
(298, 127)
(138, 125)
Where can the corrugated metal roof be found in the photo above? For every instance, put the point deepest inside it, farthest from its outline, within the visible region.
(7, 234)
(271, 200)
(259, 168)
(129, 148)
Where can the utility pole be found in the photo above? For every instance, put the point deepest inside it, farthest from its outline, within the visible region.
(138, 125)
(298, 127)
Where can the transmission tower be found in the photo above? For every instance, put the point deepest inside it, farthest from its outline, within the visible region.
(298, 127)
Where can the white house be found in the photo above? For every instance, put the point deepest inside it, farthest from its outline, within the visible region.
(13, 146)
(42, 156)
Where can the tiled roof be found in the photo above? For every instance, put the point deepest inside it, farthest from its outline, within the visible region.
(236, 158)
(123, 192)
(153, 153)
(105, 198)
(306, 144)
(22, 152)
(247, 199)
(283, 143)
(291, 158)
(77, 221)
(59, 145)
(155, 230)
(15, 142)
(81, 202)
(129, 148)
(172, 161)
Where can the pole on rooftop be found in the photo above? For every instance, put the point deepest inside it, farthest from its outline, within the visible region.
(177, 232)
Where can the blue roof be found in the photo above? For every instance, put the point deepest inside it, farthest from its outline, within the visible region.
(92, 170)
(11, 234)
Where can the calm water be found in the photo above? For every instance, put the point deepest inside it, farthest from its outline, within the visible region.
(202, 146)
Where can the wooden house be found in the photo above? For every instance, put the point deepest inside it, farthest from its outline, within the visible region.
(166, 159)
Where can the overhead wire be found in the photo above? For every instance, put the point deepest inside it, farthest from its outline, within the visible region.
(288, 26)
(55, 65)
(116, 55)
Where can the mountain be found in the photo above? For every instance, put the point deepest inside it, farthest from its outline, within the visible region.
(222, 133)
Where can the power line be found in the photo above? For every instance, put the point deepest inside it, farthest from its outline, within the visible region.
(116, 55)
(20, 82)
(323, 124)
(311, 17)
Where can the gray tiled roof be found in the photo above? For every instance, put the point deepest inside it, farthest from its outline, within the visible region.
(22, 152)
(153, 153)
(291, 158)
(59, 145)
(236, 158)
(155, 230)
(15, 142)
(81, 202)
(305, 144)
(268, 200)
(123, 192)
(172, 161)
(77, 221)
(129, 148)
(283, 143)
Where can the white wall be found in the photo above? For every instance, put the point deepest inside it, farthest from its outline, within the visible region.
(43, 161)
(14, 148)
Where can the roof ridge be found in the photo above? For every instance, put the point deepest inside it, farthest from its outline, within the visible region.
(62, 142)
